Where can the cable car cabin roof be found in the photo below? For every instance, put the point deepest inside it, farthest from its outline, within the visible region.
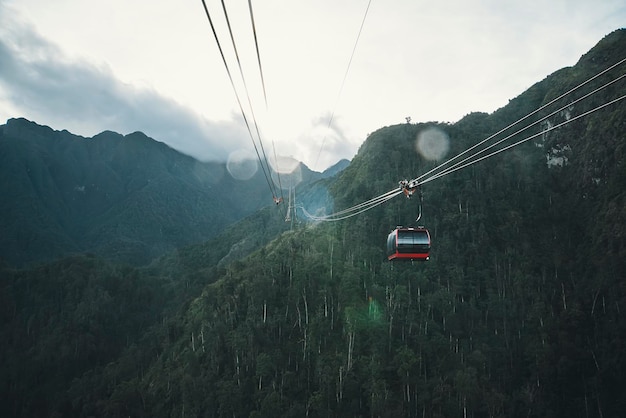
(405, 243)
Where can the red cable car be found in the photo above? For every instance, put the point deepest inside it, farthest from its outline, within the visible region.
(406, 243)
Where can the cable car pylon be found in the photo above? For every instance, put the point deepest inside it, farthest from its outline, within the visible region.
(289, 205)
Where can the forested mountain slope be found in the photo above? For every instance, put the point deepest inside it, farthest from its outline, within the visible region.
(126, 198)
(518, 312)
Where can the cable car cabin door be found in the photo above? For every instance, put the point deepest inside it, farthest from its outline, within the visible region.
(408, 244)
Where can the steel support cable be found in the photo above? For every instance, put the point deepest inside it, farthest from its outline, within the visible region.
(345, 76)
(243, 78)
(519, 120)
(475, 155)
(340, 218)
(532, 136)
(334, 218)
(348, 214)
(370, 203)
(321, 219)
(393, 193)
(232, 83)
(365, 206)
(360, 208)
(258, 55)
(275, 194)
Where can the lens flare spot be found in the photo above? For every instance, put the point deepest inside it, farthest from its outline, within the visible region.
(286, 172)
(432, 143)
(284, 165)
(242, 164)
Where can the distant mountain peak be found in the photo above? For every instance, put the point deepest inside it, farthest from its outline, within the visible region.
(336, 168)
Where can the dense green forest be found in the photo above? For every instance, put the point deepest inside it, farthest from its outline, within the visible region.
(518, 312)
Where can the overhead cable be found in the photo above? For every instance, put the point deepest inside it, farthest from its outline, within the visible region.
(471, 157)
(245, 85)
(258, 54)
(370, 203)
(532, 136)
(266, 171)
(353, 211)
(520, 120)
(232, 83)
(345, 76)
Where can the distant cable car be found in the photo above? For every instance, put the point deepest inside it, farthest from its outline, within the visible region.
(406, 243)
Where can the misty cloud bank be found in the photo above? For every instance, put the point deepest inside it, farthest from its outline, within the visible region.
(44, 85)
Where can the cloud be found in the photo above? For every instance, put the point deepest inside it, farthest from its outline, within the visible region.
(45, 85)
(427, 60)
(324, 143)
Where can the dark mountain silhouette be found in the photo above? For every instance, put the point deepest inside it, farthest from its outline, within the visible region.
(518, 313)
(126, 198)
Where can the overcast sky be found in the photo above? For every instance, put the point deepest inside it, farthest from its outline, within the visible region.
(154, 66)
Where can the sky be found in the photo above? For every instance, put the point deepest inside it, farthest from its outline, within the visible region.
(154, 66)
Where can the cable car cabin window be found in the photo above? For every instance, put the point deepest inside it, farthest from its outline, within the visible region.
(408, 243)
(413, 241)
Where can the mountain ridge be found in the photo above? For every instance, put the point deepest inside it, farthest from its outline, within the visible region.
(115, 195)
